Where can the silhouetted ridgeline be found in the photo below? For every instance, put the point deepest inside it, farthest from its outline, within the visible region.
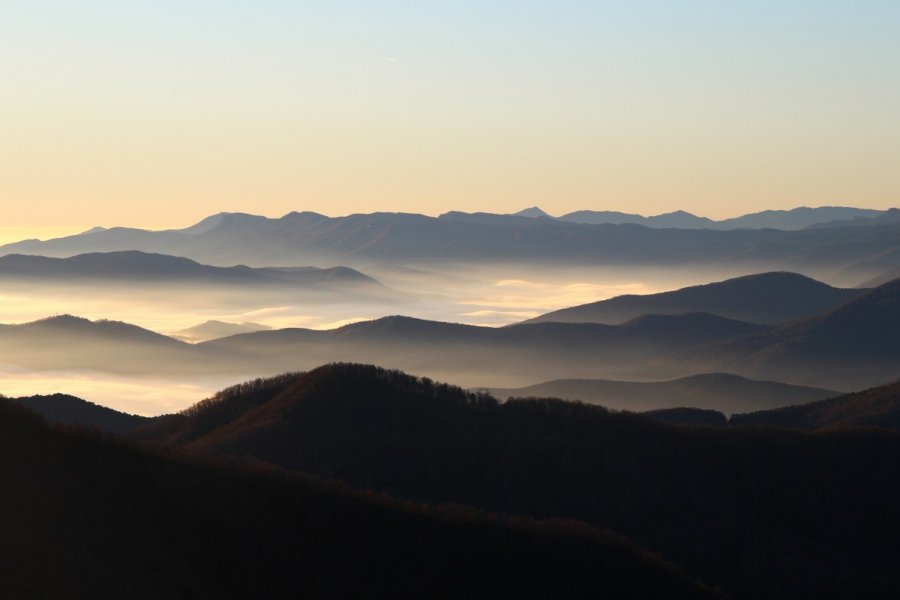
(797, 218)
(855, 345)
(764, 298)
(310, 238)
(758, 512)
(69, 410)
(88, 517)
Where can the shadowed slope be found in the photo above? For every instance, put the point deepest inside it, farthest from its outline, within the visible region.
(875, 407)
(763, 298)
(85, 517)
(68, 410)
(852, 346)
(727, 504)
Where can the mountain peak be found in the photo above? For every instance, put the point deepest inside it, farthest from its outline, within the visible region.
(534, 212)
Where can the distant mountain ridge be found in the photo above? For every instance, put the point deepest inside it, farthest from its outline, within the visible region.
(763, 298)
(793, 219)
(365, 240)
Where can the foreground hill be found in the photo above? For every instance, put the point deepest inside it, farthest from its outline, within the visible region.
(720, 392)
(726, 504)
(764, 298)
(86, 517)
(853, 346)
(876, 407)
(460, 238)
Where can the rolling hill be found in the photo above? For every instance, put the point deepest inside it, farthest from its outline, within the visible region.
(68, 342)
(60, 409)
(479, 355)
(439, 349)
(726, 504)
(719, 392)
(853, 346)
(136, 267)
(875, 407)
(764, 298)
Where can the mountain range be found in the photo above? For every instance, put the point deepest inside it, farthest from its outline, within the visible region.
(794, 219)
(849, 347)
(396, 238)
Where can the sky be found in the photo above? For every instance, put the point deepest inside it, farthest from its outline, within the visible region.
(156, 114)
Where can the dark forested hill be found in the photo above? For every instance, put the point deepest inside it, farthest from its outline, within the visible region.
(727, 504)
(875, 407)
(69, 410)
(764, 298)
(89, 517)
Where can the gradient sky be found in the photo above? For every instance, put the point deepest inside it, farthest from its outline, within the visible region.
(158, 113)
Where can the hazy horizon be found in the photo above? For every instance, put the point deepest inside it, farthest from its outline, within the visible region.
(10, 234)
(156, 117)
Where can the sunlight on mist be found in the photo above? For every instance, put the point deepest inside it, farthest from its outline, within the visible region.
(494, 295)
(147, 397)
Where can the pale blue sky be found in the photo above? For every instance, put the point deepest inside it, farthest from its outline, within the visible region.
(156, 113)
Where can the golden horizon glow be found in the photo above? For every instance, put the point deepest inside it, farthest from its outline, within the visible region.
(157, 115)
